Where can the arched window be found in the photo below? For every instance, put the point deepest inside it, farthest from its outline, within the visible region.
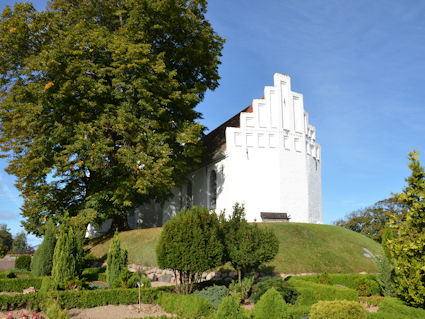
(189, 195)
(213, 190)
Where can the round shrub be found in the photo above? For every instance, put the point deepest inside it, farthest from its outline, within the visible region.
(11, 275)
(288, 293)
(214, 294)
(270, 306)
(229, 309)
(366, 287)
(23, 262)
(337, 309)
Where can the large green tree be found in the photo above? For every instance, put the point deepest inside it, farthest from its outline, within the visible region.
(97, 102)
(407, 248)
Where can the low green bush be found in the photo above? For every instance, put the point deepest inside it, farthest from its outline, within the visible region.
(188, 306)
(11, 302)
(297, 312)
(347, 280)
(214, 294)
(19, 284)
(366, 287)
(11, 275)
(242, 290)
(310, 293)
(102, 277)
(288, 293)
(373, 301)
(53, 310)
(93, 274)
(338, 309)
(47, 284)
(230, 309)
(4, 273)
(23, 262)
(393, 308)
(270, 306)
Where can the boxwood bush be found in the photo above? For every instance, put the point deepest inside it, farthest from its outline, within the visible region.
(288, 292)
(4, 273)
(270, 306)
(366, 287)
(188, 306)
(19, 284)
(11, 302)
(338, 309)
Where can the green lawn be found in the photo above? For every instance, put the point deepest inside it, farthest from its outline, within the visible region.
(303, 248)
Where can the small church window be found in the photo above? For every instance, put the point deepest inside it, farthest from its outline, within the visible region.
(189, 195)
(213, 190)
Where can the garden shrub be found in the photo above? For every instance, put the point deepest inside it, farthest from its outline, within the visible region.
(23, 262)
(346, 280)
(337, 309)
(297, 311)
(188, 306)
(393, 308)
(53, 310)
(373, 301)
(11, 302)
(11, 275)
(47, 284)
(310, 293)
(127, 279)
(385, 279)
(366, 287)
(42, 262)
(67, 258)
(19, 284)
(288, 293)
(214, 294)
(270, 306)
(243, 289)
(116, 262)
(230, 309)
(190, 244)
(5, 273)
(93, 274)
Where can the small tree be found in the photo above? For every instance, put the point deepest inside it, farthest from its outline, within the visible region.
(117, 260)
(67, 258)
(42, 261)
(407, 248)
(270, 306)
(20, 244)
(247, 246)
(189, 245)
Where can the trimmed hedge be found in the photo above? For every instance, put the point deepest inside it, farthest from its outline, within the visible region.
(393, 308)
(19, 284)
(311, 293)
(93, 274)
(338, 309)
(23, 262)
(188, 306)
(347, 280)
(4, 273)
(32, 301)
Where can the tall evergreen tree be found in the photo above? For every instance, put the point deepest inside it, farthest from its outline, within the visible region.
(97, 102)
(407, 248)
(67, 258)
(117, 260)
(42, 262)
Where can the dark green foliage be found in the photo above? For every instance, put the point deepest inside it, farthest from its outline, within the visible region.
(247, 246)
(372, 221)
(310, 293)
(53, 310)
(188, 306)
(386, 237)
(392, 308)
(19, 284)
(230, 309)
(190, 244)
(287, 292)
(48, 284)
(407, 248)
(74, 284)
(366, 287)
(42, 262)
(270, 306)
(67, 258)
(93, 274)
(5, 273)
(127, 279)
(11, 275)
(338, 309)
(97, 102)
(20, 244)
(6, 240)
(116, 262)
(385, 279)
(11, 302)
(242, 290)
(214, 294)
(23, 262)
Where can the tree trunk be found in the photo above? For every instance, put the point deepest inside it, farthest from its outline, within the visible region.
(240, 277)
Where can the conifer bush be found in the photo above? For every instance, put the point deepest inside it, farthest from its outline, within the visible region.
(214, 294)
(116, 262)
(67, 257)
(42, 261)
(337, 309)
(230, 309)
(270, 306)
(189, 245)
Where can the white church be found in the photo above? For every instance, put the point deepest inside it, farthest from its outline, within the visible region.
(265, 157)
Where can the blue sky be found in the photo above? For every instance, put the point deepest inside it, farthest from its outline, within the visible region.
(361, 67)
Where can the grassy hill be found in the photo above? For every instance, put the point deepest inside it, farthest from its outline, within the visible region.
(303, 248)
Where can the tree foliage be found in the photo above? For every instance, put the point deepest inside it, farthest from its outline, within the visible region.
(6, 239)
(189, 245)
(67, 257)
(42, 260)
(372, 220)
(247, 246)
(117, 260)
(20, 244)
(97, 102)
(407, 248)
